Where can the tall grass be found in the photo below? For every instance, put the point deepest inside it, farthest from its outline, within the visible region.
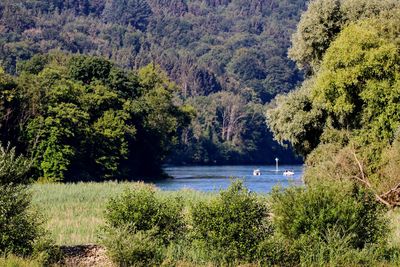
(13, 261)
(394, 216)
(74, 212)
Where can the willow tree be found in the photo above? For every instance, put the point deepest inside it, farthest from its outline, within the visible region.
(346, 117)
(320, 25)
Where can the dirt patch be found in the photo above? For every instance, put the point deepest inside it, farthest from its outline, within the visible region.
(85, 255)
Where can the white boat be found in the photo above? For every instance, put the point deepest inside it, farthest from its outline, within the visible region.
(288, 173)
(257, 172)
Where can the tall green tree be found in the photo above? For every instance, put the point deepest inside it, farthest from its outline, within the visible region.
(352, 105)
(323, 21)
(84, 118)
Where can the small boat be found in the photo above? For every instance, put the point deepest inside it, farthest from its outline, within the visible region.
(257, 172)
(288, 173)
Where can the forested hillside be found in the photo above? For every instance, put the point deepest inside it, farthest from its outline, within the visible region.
(228, 58)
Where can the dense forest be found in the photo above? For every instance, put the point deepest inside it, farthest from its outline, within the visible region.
(83, 118)
(227, 57)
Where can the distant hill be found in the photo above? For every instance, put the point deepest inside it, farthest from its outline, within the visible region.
(212, 49)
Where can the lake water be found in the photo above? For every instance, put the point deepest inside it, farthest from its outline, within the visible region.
(214, 178)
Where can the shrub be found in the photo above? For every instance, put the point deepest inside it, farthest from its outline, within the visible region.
(19, 226)
(140, 225)
(277, 251)
(141, 248)
(231, 225)
(335, 250)
(141, 210)
(13, 169)
(315, 211)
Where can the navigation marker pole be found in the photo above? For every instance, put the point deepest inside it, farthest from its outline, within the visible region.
(276, 160)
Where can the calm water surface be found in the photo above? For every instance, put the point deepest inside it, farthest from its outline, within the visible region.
(214, 178)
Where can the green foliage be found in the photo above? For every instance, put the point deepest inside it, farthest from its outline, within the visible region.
(346, 117)
(82, 118)
(20, 227)
(135, 32)
(228, 129)
(35, 65)
(141, 210)
(294, 118)
(230, 226)
(88, 69)
(9, 99)
(139, 226)
(142, 248)
(277, 251)
(205, 47)
(358, 88)
(323, 21)
(326, 208)
(128, 12)
(13, 169)
(22, 230)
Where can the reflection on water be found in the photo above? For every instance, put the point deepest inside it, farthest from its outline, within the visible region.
(214, 178)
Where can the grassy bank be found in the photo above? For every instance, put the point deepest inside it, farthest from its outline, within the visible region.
(74, 212)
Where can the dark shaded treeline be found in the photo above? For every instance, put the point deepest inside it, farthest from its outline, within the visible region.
(214, 50)
(83, 118)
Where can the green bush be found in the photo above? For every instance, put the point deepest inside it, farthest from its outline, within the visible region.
(141, 248)
(141, 210)
(140, 225)
(13, 169)
(335, 250)
(231, 225)
(19, 226)
(277, 251)
(313, 212)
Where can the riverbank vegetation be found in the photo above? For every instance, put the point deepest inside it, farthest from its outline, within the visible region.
(345, 118)
(323, 226)
(327, 223)
(83, 118)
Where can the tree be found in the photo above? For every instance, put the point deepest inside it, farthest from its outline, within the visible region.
(83, 118)
(294, 119)
(323, 21)
(353, 100)
(133, 12)
(156, 118)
